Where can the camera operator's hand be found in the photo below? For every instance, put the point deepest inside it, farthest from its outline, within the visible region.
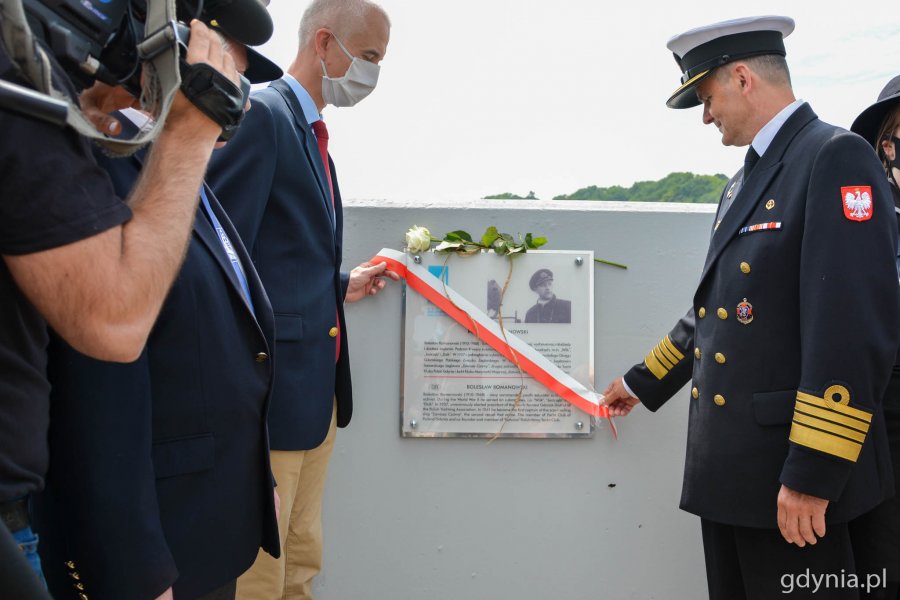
(205, 46)
(100, 99)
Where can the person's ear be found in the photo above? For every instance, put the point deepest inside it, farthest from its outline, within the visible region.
(322, 39)
(887, 146)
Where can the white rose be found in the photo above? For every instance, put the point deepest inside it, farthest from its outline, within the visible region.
(418, 239)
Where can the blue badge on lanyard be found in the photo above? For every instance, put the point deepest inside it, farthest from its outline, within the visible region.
(229, 249)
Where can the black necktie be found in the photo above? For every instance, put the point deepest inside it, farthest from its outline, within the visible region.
(750, 161)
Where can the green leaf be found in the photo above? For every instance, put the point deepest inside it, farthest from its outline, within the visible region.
(458, 236)
(508, 238)
(489, 236)
(538, 241)
(448, 246)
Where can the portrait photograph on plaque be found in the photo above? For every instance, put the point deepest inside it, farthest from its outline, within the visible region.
(453, 384)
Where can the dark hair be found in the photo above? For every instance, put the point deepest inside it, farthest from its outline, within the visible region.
(885, 134)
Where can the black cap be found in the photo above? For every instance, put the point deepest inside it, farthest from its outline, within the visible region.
(699, 51)
(539, 277)
(869, 121)
(247, 22)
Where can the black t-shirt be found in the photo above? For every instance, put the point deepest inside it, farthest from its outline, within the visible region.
(52, 193)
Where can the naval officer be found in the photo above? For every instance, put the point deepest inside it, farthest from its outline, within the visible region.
(792, 331)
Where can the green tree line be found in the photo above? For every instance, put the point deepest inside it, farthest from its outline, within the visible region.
(674, 187)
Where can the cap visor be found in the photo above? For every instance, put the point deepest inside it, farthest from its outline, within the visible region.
(686, 96)
(260, 69)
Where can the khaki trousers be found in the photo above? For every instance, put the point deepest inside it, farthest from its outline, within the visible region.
(300, 476)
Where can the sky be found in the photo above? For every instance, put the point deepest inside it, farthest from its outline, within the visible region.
(478, 97)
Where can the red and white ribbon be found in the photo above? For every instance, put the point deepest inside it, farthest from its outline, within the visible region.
(488, 331)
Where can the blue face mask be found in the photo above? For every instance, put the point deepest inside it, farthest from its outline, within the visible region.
(357, 83)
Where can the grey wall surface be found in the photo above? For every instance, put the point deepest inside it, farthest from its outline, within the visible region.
(525, 519)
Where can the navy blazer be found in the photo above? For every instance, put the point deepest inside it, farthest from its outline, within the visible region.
(271, 180)
(791, 338)
(159, 471)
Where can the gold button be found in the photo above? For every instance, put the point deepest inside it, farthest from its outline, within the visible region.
(333, 332)
(697, 353)
(79, 587)
(70, 564)
(262, 357)
(770, 204)
(719, 399)
(695, 393)
(722, 313)
(83, 597)
(701, 313)
(745, 268)
(74, 575)
(720, 358)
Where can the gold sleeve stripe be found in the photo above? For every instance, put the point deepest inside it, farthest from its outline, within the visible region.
(667, 342)
(655, 366)
(809, 409)
(835, 407)
(664, 357)
(825, 442)
(661, 348)
(830, 427)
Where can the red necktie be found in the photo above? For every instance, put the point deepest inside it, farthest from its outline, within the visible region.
(322, 138)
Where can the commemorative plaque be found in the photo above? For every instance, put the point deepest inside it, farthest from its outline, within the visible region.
(453, 384)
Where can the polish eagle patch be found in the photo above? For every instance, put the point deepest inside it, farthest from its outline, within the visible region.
(857, 201)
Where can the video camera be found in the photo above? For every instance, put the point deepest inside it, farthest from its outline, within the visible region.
(96, 39)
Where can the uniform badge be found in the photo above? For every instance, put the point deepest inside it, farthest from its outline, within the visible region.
(744, 312)
(770, 204)
(731, 190)
(857, 201)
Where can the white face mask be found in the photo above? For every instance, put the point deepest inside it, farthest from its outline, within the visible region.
(357, 83)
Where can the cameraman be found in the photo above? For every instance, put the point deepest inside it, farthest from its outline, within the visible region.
(77, 258)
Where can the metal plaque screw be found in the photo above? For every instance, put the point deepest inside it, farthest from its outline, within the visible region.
(579, 425)
(412, 423)
(579, 261)
(417, 259)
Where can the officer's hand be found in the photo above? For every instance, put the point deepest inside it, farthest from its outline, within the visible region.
(366, 280)
(99, 100)
(618, 400)
(801, 517)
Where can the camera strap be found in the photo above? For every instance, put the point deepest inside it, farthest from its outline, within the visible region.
(162, 82)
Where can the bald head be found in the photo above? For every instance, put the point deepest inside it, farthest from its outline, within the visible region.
(343, 17)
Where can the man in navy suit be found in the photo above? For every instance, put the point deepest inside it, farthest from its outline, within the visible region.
(280, 188)
(159, 482)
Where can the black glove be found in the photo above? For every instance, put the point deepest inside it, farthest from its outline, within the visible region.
(215, 95)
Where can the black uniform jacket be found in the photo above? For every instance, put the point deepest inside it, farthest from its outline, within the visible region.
(272, 181)
(554, 311)
(159, 470)
(791, 337)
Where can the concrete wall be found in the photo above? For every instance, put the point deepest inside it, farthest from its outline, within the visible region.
(525, 519)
